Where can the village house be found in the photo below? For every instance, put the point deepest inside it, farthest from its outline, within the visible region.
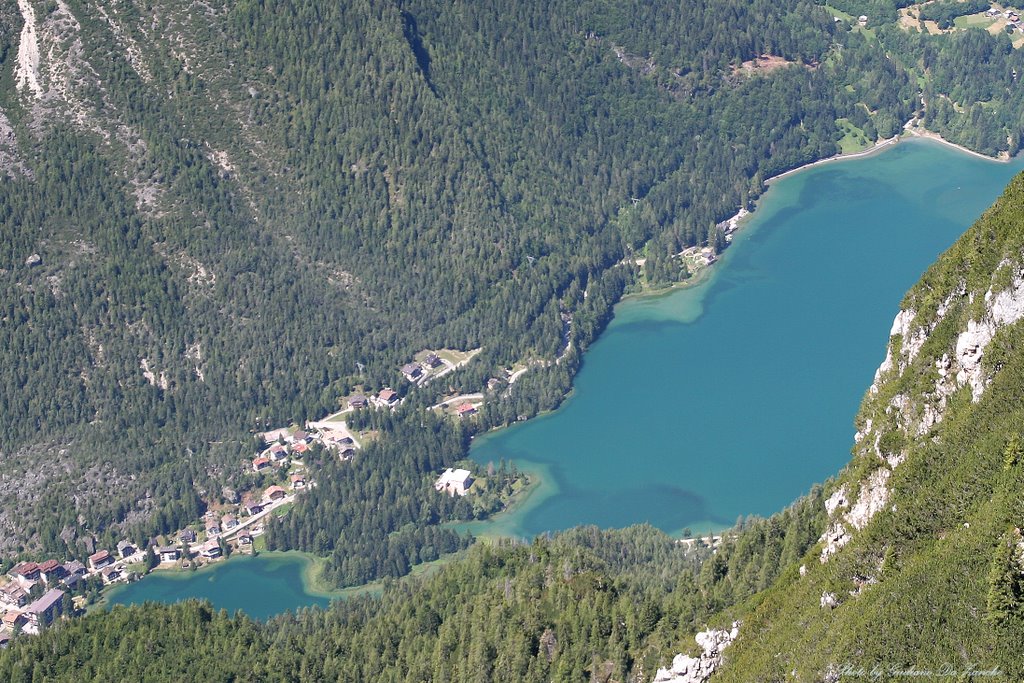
(100, 559)
(229, 522)
(347, 453)
(253, 508)
(43, 611)
(412, 371)
(278, 453)
(210, 550)
(300, 436)
(126, 549)
(51, 571)
(466, 409)
(187, 536)
(168, 553)
(244, 538)
(14, 619)
(299, 448)
(298, 481)
(261, 463)
(5, 639)
(388, 396)
(454, 482)
(111, 575)
(275, 492)
(212, 528)
(75, 568)
(14, 595)
(25, 572)
(357, 401)
(274, 435)
(432, 360)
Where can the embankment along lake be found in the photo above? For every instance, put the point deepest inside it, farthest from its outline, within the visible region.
(735, 396)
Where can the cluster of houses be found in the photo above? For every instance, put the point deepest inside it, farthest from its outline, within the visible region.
(297, 443)
(1012, 18)
(240, 525)
(698, 257)
(416, 372)
(20, 613)
(1010, 15)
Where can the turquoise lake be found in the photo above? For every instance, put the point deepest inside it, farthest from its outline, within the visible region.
(735, 396)
(729, 398)
(261, 586)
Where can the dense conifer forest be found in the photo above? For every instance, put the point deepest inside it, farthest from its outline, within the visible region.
(224, 218)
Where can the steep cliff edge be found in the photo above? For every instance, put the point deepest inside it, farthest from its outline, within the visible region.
(920, 569)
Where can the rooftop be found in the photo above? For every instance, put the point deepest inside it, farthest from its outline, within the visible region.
(49, 599)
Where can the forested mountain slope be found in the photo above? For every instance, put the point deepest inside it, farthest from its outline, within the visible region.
(585, 605)
(235, 203)
(911, 560)
(241, 210)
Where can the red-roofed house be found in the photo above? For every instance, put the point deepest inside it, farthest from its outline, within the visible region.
(298, 481)
(25, 571)
(465, 409)
(260, 464)
(389, 396)
(275, 493)
(14, 619)
(51, 571)
(100, 559)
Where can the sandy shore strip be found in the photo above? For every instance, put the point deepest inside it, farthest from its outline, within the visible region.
(910, 130)
(874, 149)
(915, 131)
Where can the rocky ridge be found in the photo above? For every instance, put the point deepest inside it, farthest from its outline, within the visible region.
(906, 417)
(687, 669)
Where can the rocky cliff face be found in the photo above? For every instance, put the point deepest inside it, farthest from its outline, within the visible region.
(911, 392)
(687, 669)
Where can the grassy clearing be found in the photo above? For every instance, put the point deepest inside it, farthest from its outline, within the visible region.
(839, 13)
(853, 140)
(453, 355)
(978, 20)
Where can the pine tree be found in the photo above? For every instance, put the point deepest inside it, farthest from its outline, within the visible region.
(1004, 581)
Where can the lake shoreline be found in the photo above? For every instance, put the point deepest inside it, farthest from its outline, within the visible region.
(909, 133)
(528, 521)
(311, 576)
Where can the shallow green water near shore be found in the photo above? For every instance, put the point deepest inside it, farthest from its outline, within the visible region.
(735, 396)
(261, 586)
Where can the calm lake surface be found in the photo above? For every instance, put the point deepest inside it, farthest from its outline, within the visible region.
(261, 586)
(735, 396)
(729, 398)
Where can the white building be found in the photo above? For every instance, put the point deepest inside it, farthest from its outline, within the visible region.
(454, 482)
